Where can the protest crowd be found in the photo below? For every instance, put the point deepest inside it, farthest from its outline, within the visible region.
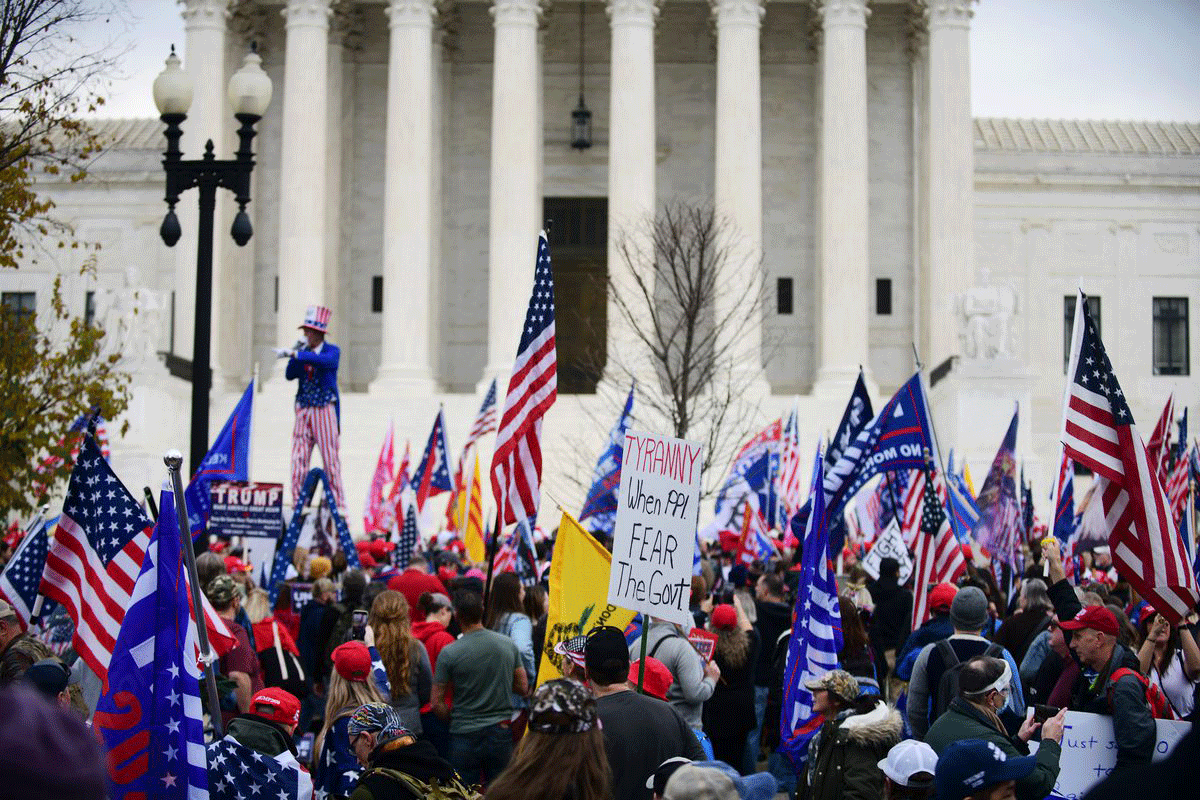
(454, 664)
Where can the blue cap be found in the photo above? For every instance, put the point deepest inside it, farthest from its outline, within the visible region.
(967, 766)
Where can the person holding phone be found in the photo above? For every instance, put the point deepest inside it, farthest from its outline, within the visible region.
(984, 684)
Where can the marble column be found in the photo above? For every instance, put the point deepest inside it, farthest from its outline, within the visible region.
(302, 166)
(632, 150)
(406, 364)
(738, 179)
(950, 160)
(842, 269)
(208, 118)
(515, 202)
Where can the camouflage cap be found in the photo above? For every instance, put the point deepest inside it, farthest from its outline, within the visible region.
(562, 706)
(220, 591)
(836, 681)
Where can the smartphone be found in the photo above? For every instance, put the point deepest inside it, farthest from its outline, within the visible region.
(358, 624)
(1042, 713)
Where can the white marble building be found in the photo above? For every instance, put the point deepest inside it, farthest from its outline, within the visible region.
(413, 148)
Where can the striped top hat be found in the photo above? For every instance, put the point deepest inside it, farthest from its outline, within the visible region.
(317, 318)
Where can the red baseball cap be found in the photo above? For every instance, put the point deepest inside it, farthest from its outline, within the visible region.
(366, 561)
(1098, 618)
(724, 616)
(942, 595)
(234, 564)
(380, 548)
(276, 705)
(352, 661)
(657, 679)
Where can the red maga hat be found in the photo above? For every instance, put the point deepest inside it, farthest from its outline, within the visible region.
(1098, 618)
(276, 705)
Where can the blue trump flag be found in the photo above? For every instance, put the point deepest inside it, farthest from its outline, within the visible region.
(149, 715)
(599, 512)
(999, 525)
(964, 511)
(227, 460)
(816, 630)
(895, 439)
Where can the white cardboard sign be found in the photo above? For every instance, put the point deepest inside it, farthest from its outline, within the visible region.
(655, 533)
(889, 544)
(1089, 750)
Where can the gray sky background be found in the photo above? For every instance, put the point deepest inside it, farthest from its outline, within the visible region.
(1070, 59)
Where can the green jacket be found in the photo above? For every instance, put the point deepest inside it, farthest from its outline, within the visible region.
(964, 721)
(846, 763)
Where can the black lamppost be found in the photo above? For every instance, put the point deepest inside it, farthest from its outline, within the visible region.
(250, 94)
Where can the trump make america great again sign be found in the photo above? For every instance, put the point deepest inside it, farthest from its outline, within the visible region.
(655, 532)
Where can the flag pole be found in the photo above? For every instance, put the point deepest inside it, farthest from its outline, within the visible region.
(174, 461)
(487, 587)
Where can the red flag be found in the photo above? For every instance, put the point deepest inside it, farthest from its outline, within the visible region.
(1158, 449)
(373, 514)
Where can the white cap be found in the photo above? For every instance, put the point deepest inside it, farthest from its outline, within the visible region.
(907, 759)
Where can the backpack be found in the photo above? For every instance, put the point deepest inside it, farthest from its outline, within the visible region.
(1160, 706)
(947, 688)
(453, 790)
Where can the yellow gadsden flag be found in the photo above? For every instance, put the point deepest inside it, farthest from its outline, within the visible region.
(473, 513)
(578, 593)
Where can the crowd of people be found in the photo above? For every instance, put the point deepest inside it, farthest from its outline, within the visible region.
(415, 682)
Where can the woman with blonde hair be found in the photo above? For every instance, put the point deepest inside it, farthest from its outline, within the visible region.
(562, 755)
(404, 657)
(357, 678)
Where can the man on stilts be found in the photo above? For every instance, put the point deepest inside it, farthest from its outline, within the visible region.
(314, 363)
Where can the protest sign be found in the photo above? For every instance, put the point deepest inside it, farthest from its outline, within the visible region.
(1089, 750)
(890, 544)
(253, 511)
(657, 510)
(575, 602)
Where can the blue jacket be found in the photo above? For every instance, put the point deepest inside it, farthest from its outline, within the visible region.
(317, 373)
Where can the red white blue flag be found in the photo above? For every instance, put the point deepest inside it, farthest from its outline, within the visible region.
(433, 471)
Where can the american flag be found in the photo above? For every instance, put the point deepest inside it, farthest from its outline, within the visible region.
(149, 715)
(937, 555)
(816, 629)
(912, 501)
(23, 573)
(96, 556)
(1177, 482)
(1158, 449)
(409, 537)
(1100, 434)
(532, 389)
(790, 491)
(393, 507)
(74, 433)
(433, 472)
(373, 514)
(599, 512)
(755, 543)
(485, 423)
(236, 772)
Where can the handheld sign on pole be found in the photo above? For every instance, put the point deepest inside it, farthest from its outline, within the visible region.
(655, 533)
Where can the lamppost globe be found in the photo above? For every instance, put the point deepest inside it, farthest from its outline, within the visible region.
(173, 88)
(250, 88)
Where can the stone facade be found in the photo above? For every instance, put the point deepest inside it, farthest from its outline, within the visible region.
(1114, 207)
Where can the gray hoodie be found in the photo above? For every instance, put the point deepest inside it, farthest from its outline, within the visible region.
(691, 687)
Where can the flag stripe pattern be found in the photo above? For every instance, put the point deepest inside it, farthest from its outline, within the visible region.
(937, 555)
(1100, 434)
(791, 469)
(1064, 504)
(1158, 449)
(816, 629)
(155, 673)
(432, 475)
(96, 556)
(532, 389)
(23, 573)
(384, 466)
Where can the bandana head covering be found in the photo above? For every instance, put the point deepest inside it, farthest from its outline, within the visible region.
(562, 706)
(380, 719)
(573, 649)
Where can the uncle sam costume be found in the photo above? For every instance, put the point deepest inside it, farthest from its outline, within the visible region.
(318, 410)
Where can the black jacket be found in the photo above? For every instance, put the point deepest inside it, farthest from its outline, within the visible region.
(1133, 723)
(418, 760)
(891, 620)
(772, 620)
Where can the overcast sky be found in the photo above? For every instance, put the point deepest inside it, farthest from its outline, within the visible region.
(1074, 59)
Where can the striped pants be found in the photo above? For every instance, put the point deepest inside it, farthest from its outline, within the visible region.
(317, 426)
